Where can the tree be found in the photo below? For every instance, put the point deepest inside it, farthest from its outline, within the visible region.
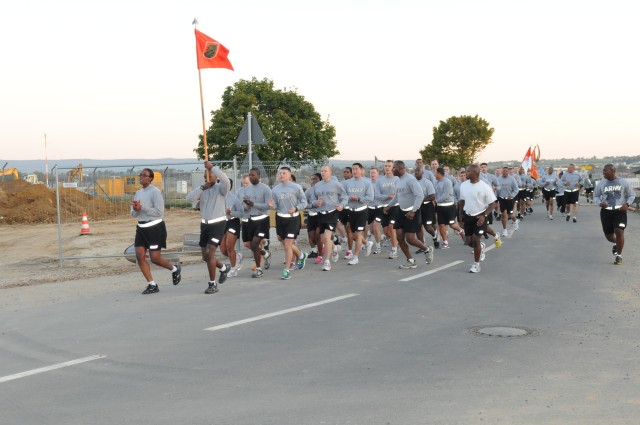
(458, 141)
(292, 127)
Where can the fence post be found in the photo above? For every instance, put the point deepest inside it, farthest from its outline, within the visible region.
(60, 260)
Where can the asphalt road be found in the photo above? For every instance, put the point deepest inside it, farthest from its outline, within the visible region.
(357, 345)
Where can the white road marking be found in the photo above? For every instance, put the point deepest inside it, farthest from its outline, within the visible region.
(278, 313)
(446, 266)
(50, 368)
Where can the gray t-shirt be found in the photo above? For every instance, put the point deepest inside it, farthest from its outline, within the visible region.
(360, 187)
(409, 194)
(444, 192)
(213, 201)
(548, 181)
(427, 187)
(571, 181)
(386, 187)
(288, 195)
(259, 194)
(615, 193)
(151, 202)
(331, 193)
(507, 187)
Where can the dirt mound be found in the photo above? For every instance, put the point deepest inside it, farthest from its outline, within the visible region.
(23, 203)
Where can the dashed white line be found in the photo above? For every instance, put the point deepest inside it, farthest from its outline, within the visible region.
(278, 313)
(437, 269)
(50, 368)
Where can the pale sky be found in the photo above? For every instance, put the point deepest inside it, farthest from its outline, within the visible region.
(118, 79)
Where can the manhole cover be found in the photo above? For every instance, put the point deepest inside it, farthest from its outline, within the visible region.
(502, 331)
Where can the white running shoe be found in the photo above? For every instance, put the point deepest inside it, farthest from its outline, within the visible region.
(327, 266)
(505, 233)
(233, 272)
(475, 268)
(482, 249)
(353, 261)
(348, 255)
(393, 254)
(516, 225)
(367, 252)
(428, 255)
(410, 264)
(335, 256)
(239, 258)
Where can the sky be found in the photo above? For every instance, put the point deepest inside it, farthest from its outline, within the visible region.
(118, 79)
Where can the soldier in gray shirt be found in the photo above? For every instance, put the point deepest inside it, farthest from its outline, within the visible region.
(428, 209)
(360, 193)
(507, 191)
(235, 211)
(385, 191)
(572, 182)
(288, 199)
(255, 198)
(614, 196)
(213, 211)
(151, 232)
(445, 207)
(409, 196)
(548, 185)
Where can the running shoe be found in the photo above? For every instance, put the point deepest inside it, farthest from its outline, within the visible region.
(267, 261)
(575, 220)
(223, 274)
(318, 259)
(475, 268)
(568, 217)
(239, 258)
(335, 257)
(233, 272)
(498, 241)
(377, 250)
(151, 289)
(348, 255)
(176, 276)
(353, 261)
(313, 254)
(393, 254)
(516, 225)
(428, 255)
(436, 243)
(618, 260)
(550, 217)
(285, 274)
(301, 262)
(327, 266)
(445, 245)
(482, 251)
(212, 289)
(367, 251)
(258, 273)
(410, 264)
(614, 250)
(505, 233)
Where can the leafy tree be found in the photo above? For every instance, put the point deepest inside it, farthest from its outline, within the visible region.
(458, 140)
(292, 127)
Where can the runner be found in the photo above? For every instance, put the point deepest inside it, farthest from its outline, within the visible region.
(614, 196)
(428, 209)
(212, 196)
(360, 193)
(375, 212)
(477, 201)
(256, 198)
(287, 198)
(572, 183)
(328, 197)
(548, 183)
(524, 182)
(506, 192)
(312, 222)
(445, 207)
(151, 232)
(386, 190)
(588, 188)
(409, 197)
(343, 215)
(560, 195)
(235, 211)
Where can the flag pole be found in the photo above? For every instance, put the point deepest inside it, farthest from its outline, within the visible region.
(204, 128)
(46, 161)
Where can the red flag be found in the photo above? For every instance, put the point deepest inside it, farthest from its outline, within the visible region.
(210, 53)
(528, 163)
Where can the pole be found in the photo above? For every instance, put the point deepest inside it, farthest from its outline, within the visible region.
(61, 260)
(249, 140)
(204, 128)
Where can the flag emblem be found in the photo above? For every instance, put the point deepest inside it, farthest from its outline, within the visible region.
(211, 50)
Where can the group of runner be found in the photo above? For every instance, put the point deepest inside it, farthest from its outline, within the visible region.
(367, 208)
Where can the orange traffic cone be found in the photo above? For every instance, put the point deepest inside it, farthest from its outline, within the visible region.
(84, 230)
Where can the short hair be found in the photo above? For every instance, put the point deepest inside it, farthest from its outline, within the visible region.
(440, 170)
(293, 177)
(257, 170)
(399, 163)
(484, 163)
(285, 168)
(357, 164)
(505, 167)
(318, 175)
(149, 171)
(347, 168)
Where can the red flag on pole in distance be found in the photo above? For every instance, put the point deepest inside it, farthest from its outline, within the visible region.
(528, 163)
(210, 53)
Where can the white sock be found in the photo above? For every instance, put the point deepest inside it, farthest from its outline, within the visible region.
(212, 282)
(174, 269)
(314, 249)
(152, 283)
(223, 268)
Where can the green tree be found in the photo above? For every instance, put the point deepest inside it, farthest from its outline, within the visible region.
(292, 127)
(458, 140)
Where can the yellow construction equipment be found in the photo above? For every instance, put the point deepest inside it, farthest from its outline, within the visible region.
(9, 174)
(76, 173)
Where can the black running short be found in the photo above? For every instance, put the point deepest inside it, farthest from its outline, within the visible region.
(612, 220)
(571, 197)
(312, 222)
(328, 221)
(428, 213)
(548, 194)
(258, 228)
(153, 237)
(287, 227)
(408, 226)
(471, 226)
(506, 205)
(358, 220)
(343, 216)
(446, 215)
(211, 234)
(233, 226)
